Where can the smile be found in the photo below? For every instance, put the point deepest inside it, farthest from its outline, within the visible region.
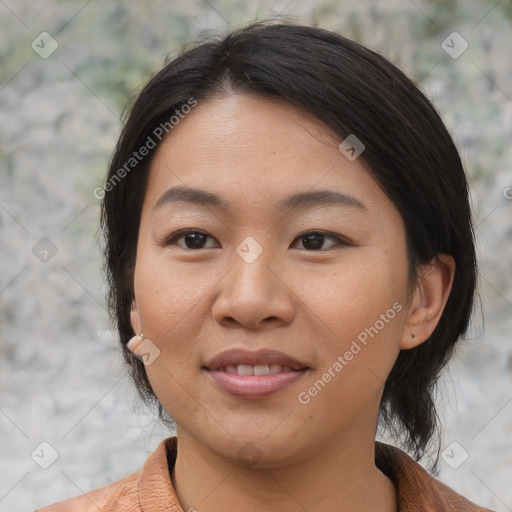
(259, 369)
(254, 374)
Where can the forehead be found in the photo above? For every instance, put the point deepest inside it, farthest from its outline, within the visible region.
(250, 147)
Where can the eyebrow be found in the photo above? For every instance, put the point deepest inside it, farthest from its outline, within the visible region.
(298, 201)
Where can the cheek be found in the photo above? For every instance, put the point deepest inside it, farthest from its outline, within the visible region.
(358, 350)
(167, 313)
(361, 308)
(353, 297)
(169, 302)
(168, 294)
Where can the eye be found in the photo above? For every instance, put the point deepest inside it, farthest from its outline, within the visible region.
(192, 239)
(195, 239)
(314, 240)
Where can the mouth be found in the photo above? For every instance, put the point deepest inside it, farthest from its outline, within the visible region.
(258, 369)
(254, 375)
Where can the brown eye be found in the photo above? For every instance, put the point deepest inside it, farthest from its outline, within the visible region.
(314, 241)
(189, 239)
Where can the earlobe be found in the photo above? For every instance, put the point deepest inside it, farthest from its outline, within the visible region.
(134, 317)
(135, 342)
(435, 281)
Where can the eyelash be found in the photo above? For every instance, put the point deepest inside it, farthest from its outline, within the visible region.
(171, 240)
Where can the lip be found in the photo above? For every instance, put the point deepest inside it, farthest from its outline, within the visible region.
(263, 356)
(254, 386)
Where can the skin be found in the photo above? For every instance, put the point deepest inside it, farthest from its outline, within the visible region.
(309, 301)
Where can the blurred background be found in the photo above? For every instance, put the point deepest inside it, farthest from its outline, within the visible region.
(70, 420)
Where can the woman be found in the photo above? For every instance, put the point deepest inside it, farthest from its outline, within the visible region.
(291, 262)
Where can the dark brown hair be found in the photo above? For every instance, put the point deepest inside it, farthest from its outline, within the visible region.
(352, 90)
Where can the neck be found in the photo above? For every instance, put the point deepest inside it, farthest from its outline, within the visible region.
(341, 477)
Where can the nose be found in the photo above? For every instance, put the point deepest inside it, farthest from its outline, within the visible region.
(254, 295)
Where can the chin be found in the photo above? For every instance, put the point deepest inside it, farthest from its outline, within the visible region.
(258, 452)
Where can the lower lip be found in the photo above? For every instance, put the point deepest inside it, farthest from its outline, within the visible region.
(254, 386)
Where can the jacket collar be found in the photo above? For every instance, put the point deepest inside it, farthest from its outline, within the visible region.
(417, 491)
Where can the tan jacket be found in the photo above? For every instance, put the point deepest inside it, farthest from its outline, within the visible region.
(150, 489)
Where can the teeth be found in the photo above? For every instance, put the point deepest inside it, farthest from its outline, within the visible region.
(245, 369)
(258, 369)
(275, 368)
(261, 369)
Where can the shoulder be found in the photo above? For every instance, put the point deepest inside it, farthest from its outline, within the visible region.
(118, 496)
(416, 489)
(150, 488)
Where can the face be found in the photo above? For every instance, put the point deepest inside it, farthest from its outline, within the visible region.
(275, 299)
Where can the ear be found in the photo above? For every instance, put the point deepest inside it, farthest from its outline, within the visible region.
(435, 281)
(134, 318)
